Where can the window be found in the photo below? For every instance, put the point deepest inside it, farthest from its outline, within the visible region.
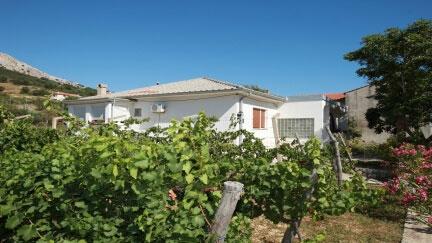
(79, 111)
(304, 127)
(258, 118)
(98, 112)
(137, 112)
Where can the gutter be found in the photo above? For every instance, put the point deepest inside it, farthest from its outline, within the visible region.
(238, 91)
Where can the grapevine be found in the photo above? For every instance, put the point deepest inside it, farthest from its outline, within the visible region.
(104, 183)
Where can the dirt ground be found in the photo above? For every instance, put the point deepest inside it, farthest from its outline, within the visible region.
(349, 227)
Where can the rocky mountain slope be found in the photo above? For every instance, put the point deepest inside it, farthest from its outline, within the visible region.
(11, 63)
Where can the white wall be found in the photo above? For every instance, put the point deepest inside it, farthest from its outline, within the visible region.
(317, 109)
(219, 107)
(89, 112)
(222, 108)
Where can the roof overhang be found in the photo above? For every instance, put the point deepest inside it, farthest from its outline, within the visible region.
(94, 101)
(184, 96)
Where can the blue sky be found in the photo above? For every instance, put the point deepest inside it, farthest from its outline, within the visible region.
(289, 47)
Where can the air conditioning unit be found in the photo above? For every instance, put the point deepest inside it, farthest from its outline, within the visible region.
(158, 108)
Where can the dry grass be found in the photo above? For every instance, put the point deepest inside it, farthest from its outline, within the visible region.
(349, 227)
(11, 88)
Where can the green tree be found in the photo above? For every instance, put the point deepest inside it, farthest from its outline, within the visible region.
(25, 90)
(398, 63)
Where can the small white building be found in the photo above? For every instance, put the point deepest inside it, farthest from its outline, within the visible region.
(269, 117)
(304, 115)
(61, 96)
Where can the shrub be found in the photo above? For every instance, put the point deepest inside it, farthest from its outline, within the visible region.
(3, 79)
(353, 130)
(370, 150)
(25, 90)
(414, 180)
(40, 92)
(21, 82)
(2, 88)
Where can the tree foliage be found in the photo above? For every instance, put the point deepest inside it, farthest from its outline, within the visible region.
(398, 63)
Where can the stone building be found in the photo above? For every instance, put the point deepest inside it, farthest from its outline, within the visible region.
(358, 101)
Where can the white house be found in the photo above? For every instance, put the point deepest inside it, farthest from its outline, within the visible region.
(268, 116)
(61, 96)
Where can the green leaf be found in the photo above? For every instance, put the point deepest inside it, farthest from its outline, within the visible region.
(80, 204)
(189, 178)
(143, 164)
(115, 170)
(198, 220)
(195, 210)
(105, 155)
(217, 194)
(96, 173)
(5, 209)
(188, 204)
(133, 172)
(13, 221)
(204, 179)
(48, 185)
(187, 167)
(27, 232)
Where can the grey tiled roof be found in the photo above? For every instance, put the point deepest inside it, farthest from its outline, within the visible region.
(202, 84)
(191, 85)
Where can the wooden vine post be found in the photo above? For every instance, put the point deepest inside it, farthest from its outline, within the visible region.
(231, 195)
(345, 147)
(338, 158)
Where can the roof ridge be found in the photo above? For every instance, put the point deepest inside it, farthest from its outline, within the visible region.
(223, 82)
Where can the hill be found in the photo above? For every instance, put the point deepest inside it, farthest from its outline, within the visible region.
(10, 63)
(23, 94)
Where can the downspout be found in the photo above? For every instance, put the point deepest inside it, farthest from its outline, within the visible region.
(112, 110)
(240, 119)
(240, 115)
(276, 129)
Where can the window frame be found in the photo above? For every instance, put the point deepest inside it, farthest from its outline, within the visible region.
(140, 112)
(261, 118)
(304, 130)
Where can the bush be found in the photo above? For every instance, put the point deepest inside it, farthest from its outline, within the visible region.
(362, 149)
(40, 92)
(353, 130)
(21, 82)
(3, 79)
(414, 180)
(25, 90)
(2, 88)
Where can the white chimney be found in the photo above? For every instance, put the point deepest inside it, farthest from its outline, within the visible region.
(102, 89)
